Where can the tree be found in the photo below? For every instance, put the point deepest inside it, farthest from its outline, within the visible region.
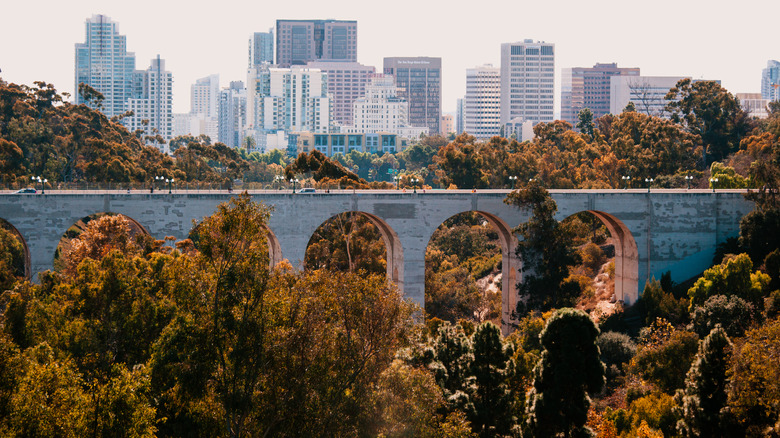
(585, 123)
(709, 111)
(347, 242)
(734, 276)
(12, 259)
(664, 355)
(733, 314)
(568, 370)
(702, 401)
(546, 251)
(492, 369)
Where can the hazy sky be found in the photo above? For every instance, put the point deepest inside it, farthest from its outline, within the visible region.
(715, 39)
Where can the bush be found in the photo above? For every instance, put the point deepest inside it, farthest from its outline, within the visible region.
(616, 349)
(734, 314)
(665, 355)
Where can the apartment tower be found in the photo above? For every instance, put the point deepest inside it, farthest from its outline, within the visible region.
(527, 81)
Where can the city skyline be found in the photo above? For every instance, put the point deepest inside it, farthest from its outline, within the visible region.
(711, 40)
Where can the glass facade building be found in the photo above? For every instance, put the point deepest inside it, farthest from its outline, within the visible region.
(419, 83)
(301, 41)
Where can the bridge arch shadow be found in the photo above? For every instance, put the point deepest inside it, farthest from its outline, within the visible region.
(80, 226)
(511, 265)
(394, 257)
(26, 269)
(626, 256)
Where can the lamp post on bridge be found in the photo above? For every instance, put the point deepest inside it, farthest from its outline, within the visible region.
(626, 180)
(414, 181)
(688, 179)
(649, 181)
(170, 184)
(713, 183)
(42, 182)
(293, 181)
(512, 182)
(278, 181)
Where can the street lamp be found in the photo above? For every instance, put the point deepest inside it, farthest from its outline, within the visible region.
(713, 183)
(512, 181)
(626, 180)
(42, 182)
(278, 180)
(170, 184)
(293, 181)
(648, 181)
(395, 179)
(688, 179)
(414, 181)
(159, 179)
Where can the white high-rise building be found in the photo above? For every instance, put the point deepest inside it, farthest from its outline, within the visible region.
(103, 63)
(204, 96)
(527, 81)
(232, 115)
(381, 110)
(287, 99)
(482, 103)
(153, 105)
(770, 81)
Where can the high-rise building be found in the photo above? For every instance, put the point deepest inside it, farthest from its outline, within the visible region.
(381, 110)
(482, 103)
(152, 103)
(770, 81)
(204, 96)
(347, 81)
(447, 124)
(589, 87)
(459, 116)
(232, 114)
(527, 81)
(419, 83)
(103, 63)
(261, 48)
(648, 93)
(287, 99)
(301, 41)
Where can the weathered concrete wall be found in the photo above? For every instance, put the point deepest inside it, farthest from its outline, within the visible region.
(658, 231)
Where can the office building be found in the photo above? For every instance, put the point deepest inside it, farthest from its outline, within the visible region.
(381, 110)
(301, 41)
(152, 104)
(330, 144)
(648, 93)
(204, 96)
(589, 87)
(447, 124)
(527, 81)
(291, 99)
(770, 81)
(754, 104)
(482, 103)
(419, 83)
(347, 82)
(261, 48)
(232, 115)
(103, 63)
(460, 112)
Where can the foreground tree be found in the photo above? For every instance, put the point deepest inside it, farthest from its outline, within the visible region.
(568, 370)
(702, 401)
(546, 251)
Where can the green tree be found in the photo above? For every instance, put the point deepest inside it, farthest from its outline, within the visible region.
(568, 370)
(492, 368)
(585, 122)
(12, 259)
(664, 355)
(709, 111)
(733, 314)
(702, 401)
(734, 276)
(546, 251)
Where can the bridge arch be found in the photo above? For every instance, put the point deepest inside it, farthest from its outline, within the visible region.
(394, 251)
(80, 225)
(12, 229)
(511, 264)
(626, 256)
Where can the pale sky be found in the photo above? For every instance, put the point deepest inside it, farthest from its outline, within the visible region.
(715, 39)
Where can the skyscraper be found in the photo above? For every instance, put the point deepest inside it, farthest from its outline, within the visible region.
(770, 81)
(204, 96)
(584, 87)
(261, 48)
(103, 63)
(527, 81)
(232, 114)
(482, 104)
(381, 110)
(301, 41)
(151, 104)
(419, 83)
(347, 81)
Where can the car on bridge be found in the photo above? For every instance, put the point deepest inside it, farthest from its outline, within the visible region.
(26, 190)
(307, 190)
